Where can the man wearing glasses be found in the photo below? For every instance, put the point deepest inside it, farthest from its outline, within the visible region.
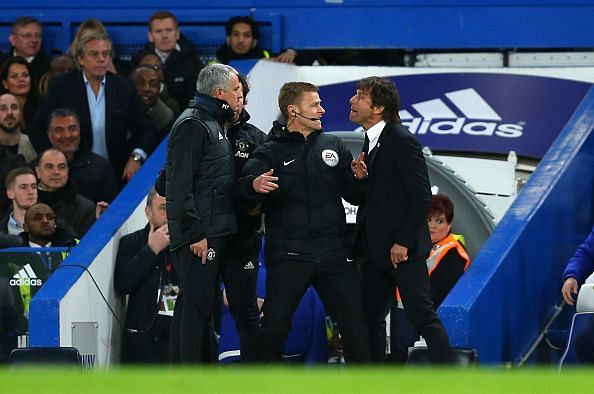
(112, 118)
(26, 38)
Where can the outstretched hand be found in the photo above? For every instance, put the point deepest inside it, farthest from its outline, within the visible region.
(265, 183)
(359, 167)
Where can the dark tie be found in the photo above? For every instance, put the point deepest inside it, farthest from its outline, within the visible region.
(366, 145)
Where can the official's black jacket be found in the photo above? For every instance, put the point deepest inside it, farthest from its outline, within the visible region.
(199, 174)
(305, 218)
(245, 138)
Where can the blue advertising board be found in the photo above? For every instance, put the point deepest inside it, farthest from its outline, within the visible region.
(473, 112)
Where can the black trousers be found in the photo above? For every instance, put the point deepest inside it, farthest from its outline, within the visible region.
(338, 285)
(412, 279)
(191, 328)
(239, 272)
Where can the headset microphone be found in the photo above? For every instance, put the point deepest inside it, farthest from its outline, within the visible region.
(305, 117)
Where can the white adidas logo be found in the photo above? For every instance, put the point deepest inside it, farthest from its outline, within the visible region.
(25, 277)
(486, 122)
(249, 266)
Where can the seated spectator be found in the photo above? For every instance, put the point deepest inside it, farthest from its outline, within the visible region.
(579, 267)
(178, 54)
(11, 136)
(148, 58)
(26, 38)
(42, 230)
(92, 174)
(143, 269)
(21, 189)
(113, 123)
(55, 190)
(59, 65)
(15, 75)
(446, 263)
(243, 34)
(8, 161)
(148, 83)
(92, 25)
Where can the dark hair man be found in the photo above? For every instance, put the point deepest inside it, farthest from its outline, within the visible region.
(299, 176)
(143, 269)
(21, 189)
(391, 231)
(178, 54)
(148, 83)
(199, 176)
(92, 174)
(243, 34)
(11, 136)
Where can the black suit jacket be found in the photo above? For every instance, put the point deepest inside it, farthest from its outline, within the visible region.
(138, 273)
(397, 197)
(126, 124)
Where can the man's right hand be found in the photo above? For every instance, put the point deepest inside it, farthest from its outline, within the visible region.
(200, 249)
(158, 239)
(265, 183)
(569, 289)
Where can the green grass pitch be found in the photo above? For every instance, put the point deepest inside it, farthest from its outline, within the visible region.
(296, 380)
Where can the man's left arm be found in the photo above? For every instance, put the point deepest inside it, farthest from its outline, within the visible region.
(411, 168)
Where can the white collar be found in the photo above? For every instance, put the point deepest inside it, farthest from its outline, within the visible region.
(34, 245)
(374, 132)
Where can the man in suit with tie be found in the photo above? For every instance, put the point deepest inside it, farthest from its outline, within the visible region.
(391, 233)
(113, 121)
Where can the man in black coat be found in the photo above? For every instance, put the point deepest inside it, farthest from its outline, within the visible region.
(198, 182)
(391, 231)
(144, 272)
(25, 39)
(299, 176)
(177, 53)
(92, 174)
(113, 122)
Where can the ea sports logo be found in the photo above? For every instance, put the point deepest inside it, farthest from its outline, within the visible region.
(330, 157)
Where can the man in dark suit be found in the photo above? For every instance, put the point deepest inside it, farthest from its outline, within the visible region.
(144, 271)
(25, 39)
(113, 121)
(391, 232)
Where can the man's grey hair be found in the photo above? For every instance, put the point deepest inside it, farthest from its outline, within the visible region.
(214, 76)
(151, 196)
(79, 49)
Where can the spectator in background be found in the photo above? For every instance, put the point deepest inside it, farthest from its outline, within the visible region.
(92, 174)
(8, 161)
(148, 84)
(59, 65)
(93, 25)
(42, 230)
(21, 189)
(579, 267)
(11, 136)
(446, 263)
(26, 39)
(144, 268)
(55, 190)
(113, 123)
(151, 59)
(178, 54)
(15, 75)
(243, 34)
